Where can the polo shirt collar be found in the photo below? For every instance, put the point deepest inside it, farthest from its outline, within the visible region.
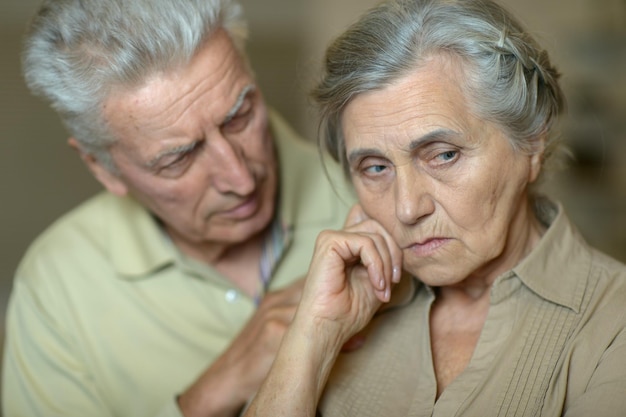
(557, 269)
(138, 245)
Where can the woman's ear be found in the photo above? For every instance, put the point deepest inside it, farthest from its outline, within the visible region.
(109, 180)
(536, 159)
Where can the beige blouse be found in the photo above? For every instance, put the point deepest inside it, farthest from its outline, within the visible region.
(553, 344)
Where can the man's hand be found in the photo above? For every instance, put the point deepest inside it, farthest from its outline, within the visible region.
(236, 375)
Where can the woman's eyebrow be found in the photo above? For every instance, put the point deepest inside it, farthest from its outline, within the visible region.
(357, 154)
(430, 137)
(433, 136)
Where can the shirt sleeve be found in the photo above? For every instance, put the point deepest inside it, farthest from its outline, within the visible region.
(605, 395)
(45, 372)
(42, 371)
(43, 375)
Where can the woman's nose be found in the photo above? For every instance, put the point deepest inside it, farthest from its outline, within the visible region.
(413, 198)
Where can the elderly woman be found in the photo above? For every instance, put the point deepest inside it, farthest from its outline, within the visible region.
(442, 113)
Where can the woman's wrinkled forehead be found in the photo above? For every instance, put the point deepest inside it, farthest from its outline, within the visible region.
(432, 98)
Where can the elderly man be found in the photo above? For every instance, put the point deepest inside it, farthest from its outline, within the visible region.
(167, 294)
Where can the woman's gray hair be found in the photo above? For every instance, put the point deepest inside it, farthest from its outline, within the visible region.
(76, 51)
(511, 81)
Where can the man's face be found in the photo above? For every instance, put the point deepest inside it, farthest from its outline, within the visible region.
(447, 185)
(194, 147)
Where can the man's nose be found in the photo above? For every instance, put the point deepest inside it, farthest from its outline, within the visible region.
(230, 170)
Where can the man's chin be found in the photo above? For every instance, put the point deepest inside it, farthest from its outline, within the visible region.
(245, 229)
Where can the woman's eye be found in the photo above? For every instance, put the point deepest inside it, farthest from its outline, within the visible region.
(375, 169)
(448, 156)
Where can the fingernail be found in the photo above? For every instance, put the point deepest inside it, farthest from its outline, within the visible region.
(387, 294)
(381, 284)
(396, 275)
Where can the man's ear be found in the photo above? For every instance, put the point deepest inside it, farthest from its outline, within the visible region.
(105, 177)
(536, 159)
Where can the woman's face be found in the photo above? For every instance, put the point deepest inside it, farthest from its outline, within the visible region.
(447, 185)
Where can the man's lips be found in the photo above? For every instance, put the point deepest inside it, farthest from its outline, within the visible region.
(244, 210)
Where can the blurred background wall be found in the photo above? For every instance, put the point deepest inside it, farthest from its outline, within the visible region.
(40, 177)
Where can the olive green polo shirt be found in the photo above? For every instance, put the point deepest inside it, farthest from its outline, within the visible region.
(106, 318)
(553, 344)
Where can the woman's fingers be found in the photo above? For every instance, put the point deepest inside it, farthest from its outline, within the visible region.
(371, 250)
(359, 222)
(379, 264)
(352, 271)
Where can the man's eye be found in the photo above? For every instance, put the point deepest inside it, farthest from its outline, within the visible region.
(176, 164)
(173, 167)
(238, 123)
(177, 161)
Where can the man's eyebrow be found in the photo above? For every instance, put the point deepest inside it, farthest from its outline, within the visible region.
(430, 137)
(190, 146)
(173, 151)
(233, 111)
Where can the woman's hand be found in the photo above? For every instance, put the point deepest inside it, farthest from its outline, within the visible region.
(351, 273)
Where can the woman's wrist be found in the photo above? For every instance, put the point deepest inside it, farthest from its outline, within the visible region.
(299, 372)
(311, 345)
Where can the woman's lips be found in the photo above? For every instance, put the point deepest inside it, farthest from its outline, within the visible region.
(427, 247)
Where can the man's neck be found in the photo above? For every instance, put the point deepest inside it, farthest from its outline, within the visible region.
(238, 263)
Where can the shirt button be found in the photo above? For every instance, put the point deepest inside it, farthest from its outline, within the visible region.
(231, 296)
